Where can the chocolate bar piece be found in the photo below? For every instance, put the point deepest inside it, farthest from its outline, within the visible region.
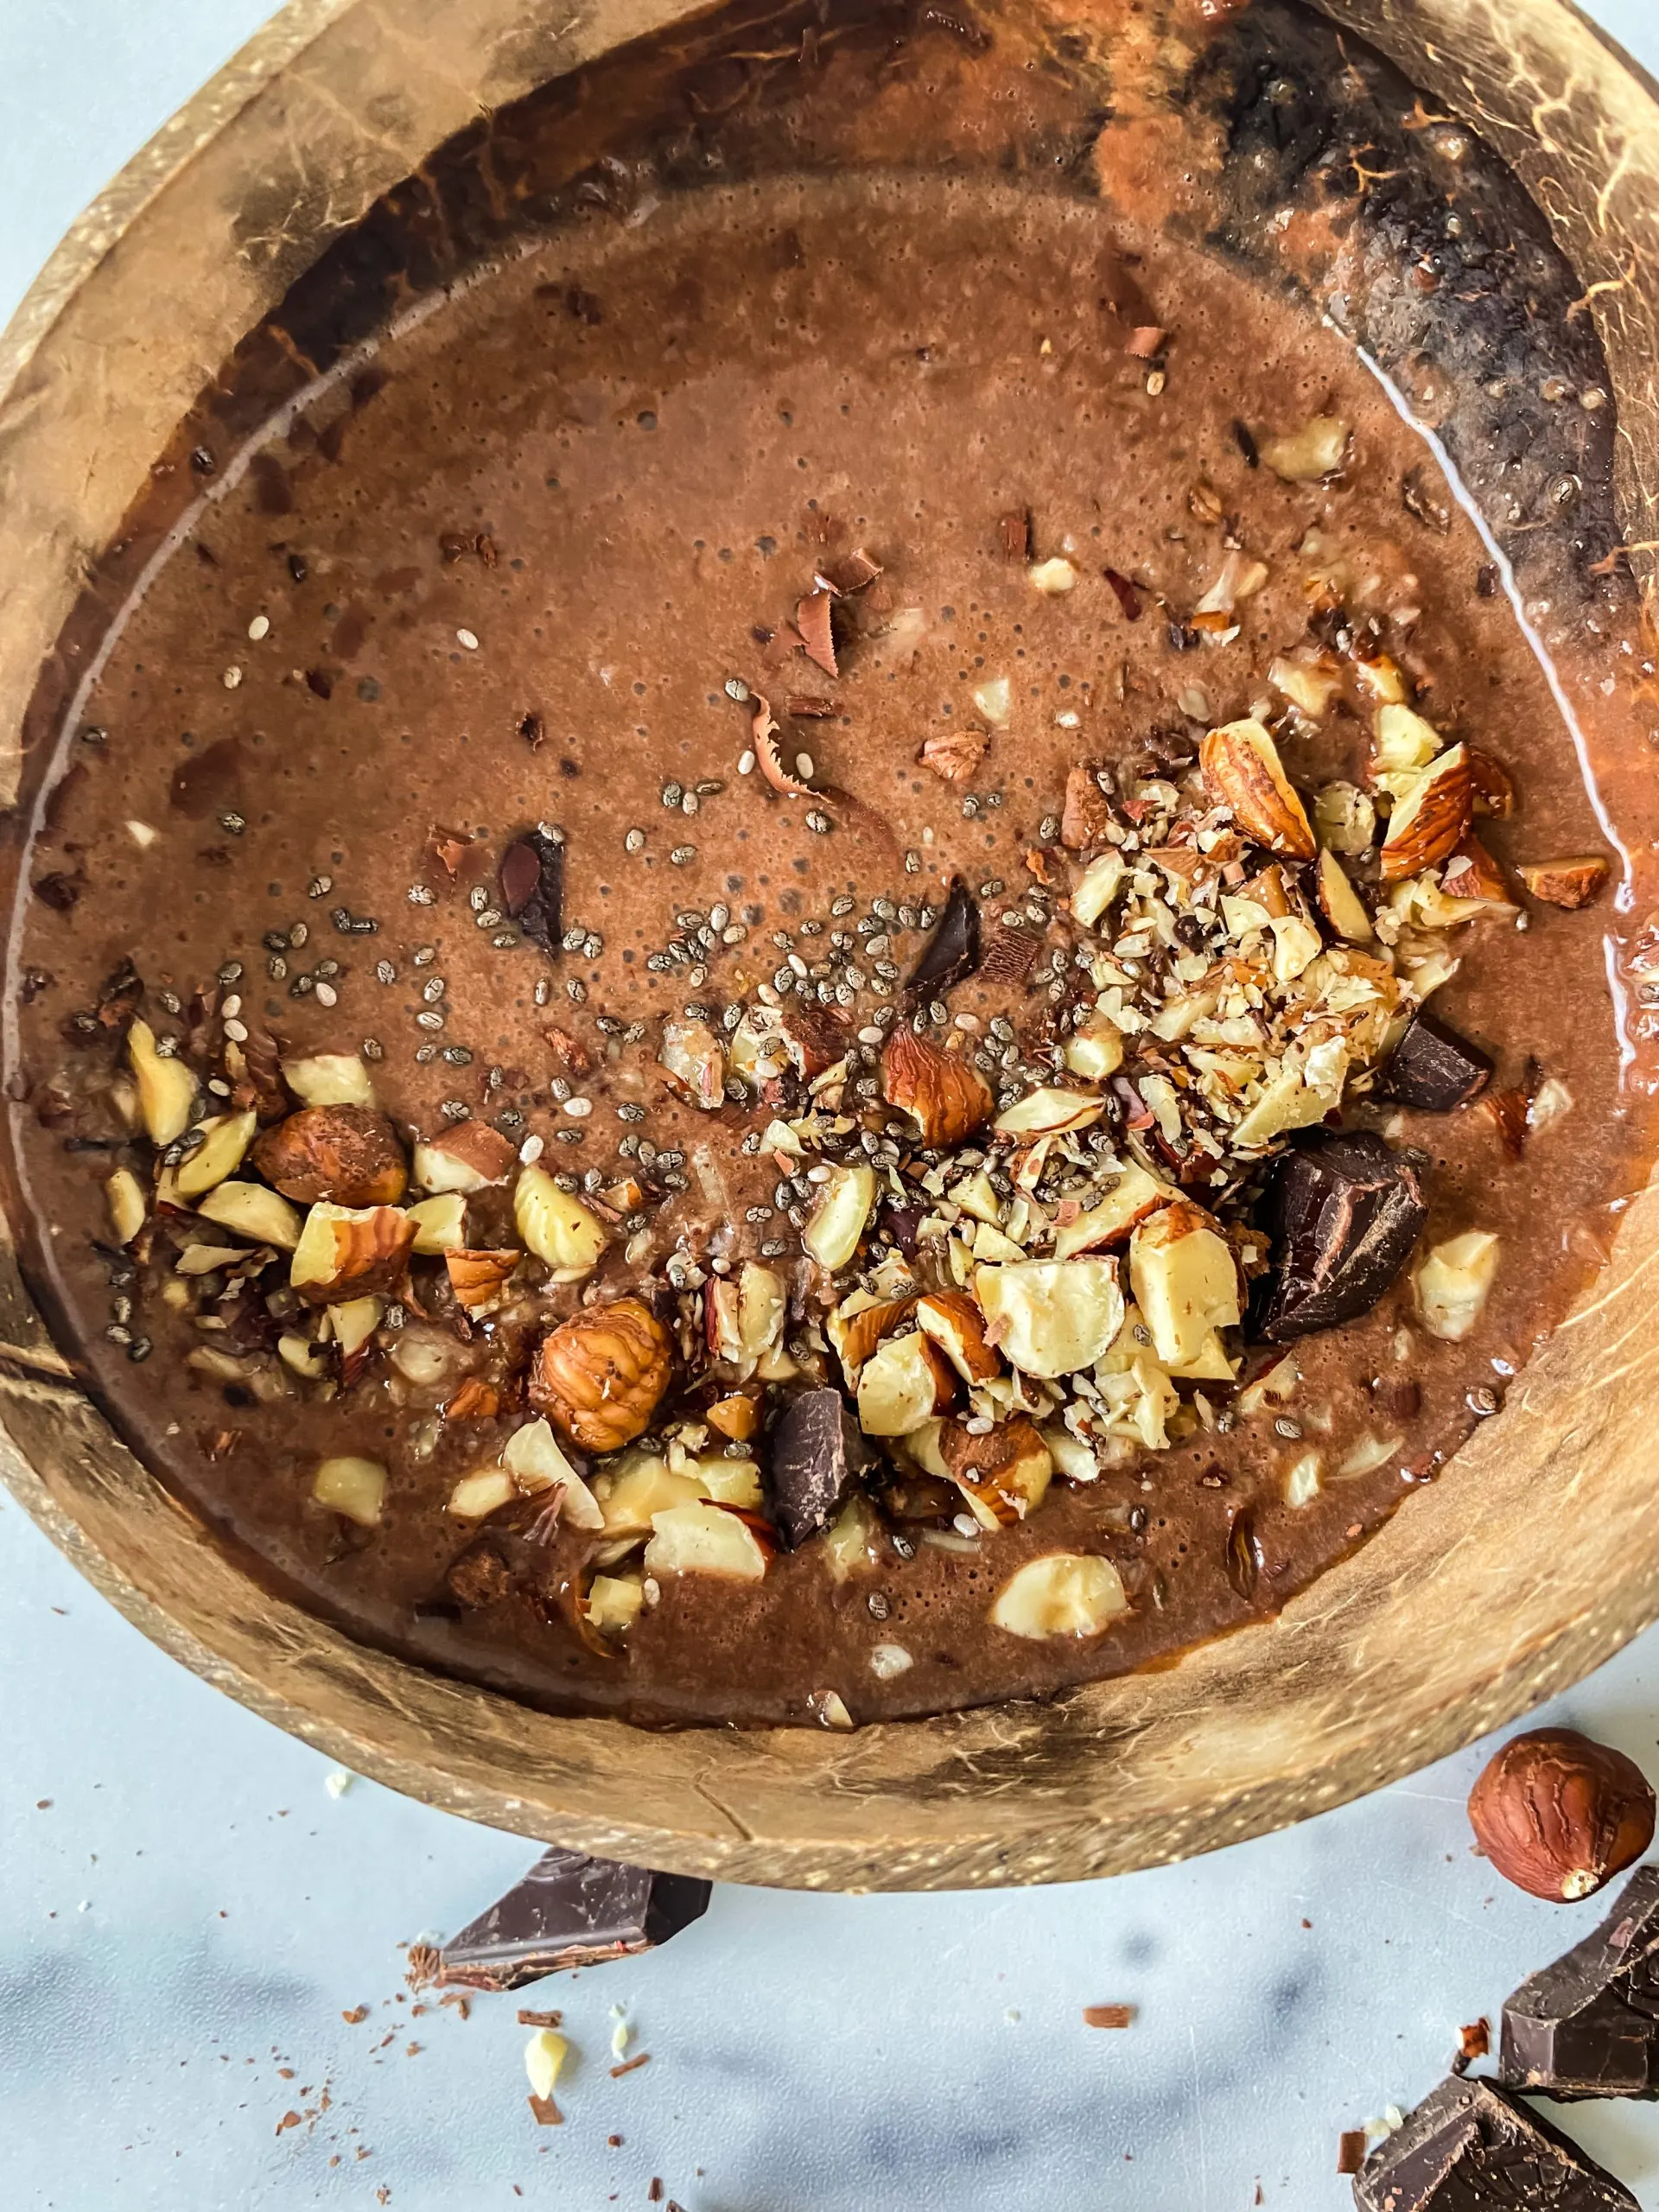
(1343, 1212)
(1433, 1068)
(818, 1452)
(1588, 2027)
(1469, 2147)
(568, 1911)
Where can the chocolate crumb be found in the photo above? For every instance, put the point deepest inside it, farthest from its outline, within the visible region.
(1351, 2151)
(1014, 535)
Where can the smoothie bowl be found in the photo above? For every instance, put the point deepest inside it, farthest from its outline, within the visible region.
(827, 1024)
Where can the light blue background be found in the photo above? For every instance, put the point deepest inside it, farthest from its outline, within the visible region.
(185, 1912)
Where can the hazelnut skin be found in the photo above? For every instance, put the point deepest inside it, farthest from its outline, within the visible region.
(346, 1155)
(1559, 1815)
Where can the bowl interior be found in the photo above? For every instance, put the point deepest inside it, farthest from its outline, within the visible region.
(1528, 1562)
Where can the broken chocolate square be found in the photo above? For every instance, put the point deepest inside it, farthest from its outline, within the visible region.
(533, 886)
(1588, 2027)
(818, 1452)
(1433, 1069)
(1469, 2147)
(568, 1911)
(952, 952)
(1343, 1212)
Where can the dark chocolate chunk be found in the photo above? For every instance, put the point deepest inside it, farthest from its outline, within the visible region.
(1433, 1069)
(1469, 2147)
(952, 952)
(818, 1452)
(1588, 2027)
(532, 886)
(1343, 1212)
(569, 1910)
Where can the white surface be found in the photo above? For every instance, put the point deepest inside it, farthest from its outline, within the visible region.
(185, 1910)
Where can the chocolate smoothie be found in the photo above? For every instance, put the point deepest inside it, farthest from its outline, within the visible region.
(823, 932)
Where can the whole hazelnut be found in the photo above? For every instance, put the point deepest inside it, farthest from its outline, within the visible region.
(599, 1375)
(341, 1155)
(1559, 1815)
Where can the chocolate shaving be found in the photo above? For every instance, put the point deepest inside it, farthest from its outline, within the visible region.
(1013, 534)
(804, 705)
(850, 573)
(1127, 597)
(958, 25)
(771, 760)
(448, 847)
(952, 954)
(262, 1085)
(1147, 342)
(954, 755)
(1246, 444)
(532, 886)
(1507, 1111)
(629, 2066)
(1108, 2016)
(816, 632)
(1351, 2151)
(529, 2018)
(1243, 1552)
(547, 2112)
(1011, 957)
